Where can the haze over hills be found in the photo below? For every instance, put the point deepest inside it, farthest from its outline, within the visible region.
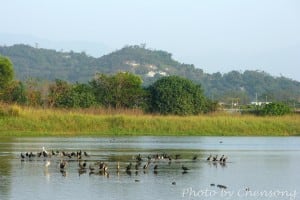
(92, 48)
(149, 64)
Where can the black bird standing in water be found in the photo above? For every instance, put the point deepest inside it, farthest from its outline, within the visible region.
(146, 165)
(185, 168)
(128, 167)
(221, 159)
(86, 154)
(209, 157)
(63, 164)
(215, 158)
(82, 165)
(224, 159)
(39, 154)
(195, 157)
(137, 166)
(44, 152)
(139, 158)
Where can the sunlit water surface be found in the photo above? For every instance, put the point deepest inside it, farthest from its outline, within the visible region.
(257, 168)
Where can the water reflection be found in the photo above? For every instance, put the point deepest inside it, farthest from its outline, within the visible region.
(161, 167)
(5, 167)
(5, 171)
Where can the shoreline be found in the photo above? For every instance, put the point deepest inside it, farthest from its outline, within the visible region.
(38, 122)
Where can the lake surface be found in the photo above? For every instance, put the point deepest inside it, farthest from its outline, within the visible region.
(256, 168)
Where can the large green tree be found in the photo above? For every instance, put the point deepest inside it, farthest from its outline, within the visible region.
(6, 72)
(122, 90)
(176, 95)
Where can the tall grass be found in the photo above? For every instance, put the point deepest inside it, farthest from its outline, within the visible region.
(26, 121)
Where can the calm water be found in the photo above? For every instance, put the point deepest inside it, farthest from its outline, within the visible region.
(257, 168)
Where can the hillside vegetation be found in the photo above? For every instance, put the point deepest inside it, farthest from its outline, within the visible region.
(150, 65)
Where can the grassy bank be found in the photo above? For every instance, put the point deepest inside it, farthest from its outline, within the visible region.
(17, 121)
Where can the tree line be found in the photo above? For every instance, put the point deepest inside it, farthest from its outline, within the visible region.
(168, 95)
(70, 66)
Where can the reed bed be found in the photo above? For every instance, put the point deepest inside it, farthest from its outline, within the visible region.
(27, 121)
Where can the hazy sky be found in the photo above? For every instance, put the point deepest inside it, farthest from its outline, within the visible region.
(215, 35)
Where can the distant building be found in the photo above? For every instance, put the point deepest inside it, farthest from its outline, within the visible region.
(260, 103)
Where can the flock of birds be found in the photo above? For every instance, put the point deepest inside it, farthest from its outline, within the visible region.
(214, 159)
(87, 164)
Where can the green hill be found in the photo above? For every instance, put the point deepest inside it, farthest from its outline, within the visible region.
(150, 64)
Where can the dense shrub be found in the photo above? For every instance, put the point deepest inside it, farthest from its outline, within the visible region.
(176, 95)
(275, 109)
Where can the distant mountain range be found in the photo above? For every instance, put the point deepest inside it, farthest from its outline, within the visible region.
(30, 62)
